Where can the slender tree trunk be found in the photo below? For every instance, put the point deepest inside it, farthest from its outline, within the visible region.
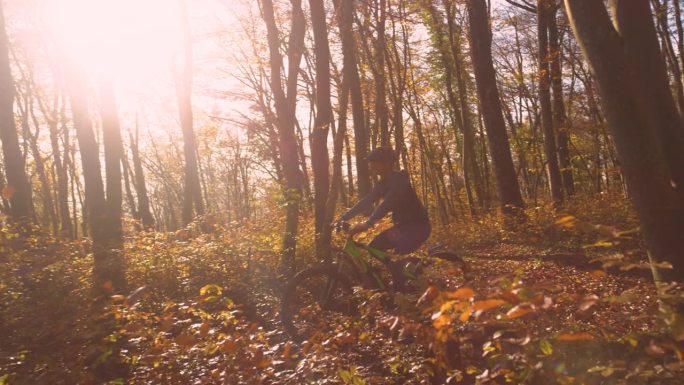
(560, 123)
(285, 108)
(663, 28)
(140, 183)
(113, 153)
(350, 71)
(380, 88)
(319, 137)
(61, 164)
(26, 112)
(480, 36)
(192, 193)
(447, 56)
(18, 189)
(5, 203)
(553, 171)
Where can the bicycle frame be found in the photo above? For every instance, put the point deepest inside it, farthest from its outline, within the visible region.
(354, 250)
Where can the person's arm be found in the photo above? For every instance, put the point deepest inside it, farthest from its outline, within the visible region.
(364, 205)
(397, 187)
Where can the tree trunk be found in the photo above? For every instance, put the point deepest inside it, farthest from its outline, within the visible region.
(350, 71)
(380, 91)
(642, 116)
(560, 123)
(140, 184)
(108, 271)
(17, 189)
(192, 193)
(285, 109)
(319, 137)
(555, 182)
(113, 153)
(480, 36)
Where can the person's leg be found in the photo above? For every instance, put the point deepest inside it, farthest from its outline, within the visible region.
(386, 241)
(410, 237)
(383, 241)
(406, 239)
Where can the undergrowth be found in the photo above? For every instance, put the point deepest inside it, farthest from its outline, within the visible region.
(203, 309)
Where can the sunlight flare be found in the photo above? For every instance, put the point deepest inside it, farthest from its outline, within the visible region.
(131, 40)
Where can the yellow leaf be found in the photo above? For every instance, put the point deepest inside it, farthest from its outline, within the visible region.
(487, 304)
(566, 221)
(211, 290)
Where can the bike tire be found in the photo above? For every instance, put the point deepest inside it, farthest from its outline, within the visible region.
(313, 298)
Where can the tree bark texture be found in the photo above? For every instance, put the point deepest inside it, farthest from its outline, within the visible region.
(480, 36)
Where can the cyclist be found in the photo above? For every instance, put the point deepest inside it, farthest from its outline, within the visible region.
(411, 225)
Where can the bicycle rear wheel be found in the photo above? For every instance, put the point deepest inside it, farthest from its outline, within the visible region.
(314, 299)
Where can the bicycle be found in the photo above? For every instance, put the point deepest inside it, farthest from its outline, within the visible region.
(325, 290)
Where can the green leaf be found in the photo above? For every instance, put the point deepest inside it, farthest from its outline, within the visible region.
(211, 290)
(546, 347)
(345, 375)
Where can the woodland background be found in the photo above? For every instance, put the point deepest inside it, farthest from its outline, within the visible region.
(152, 206)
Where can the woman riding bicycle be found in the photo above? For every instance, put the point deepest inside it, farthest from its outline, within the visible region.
(411, 225)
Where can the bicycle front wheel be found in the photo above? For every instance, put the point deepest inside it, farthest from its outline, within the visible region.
(314, 300)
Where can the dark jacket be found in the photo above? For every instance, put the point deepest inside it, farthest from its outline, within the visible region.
(398, 197)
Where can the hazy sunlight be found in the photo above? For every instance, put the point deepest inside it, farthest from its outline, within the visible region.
(131, 40)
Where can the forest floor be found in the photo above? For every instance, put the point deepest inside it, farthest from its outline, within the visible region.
(538, 306)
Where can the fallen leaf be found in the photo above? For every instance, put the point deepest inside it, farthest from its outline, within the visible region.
(186, 341)
(581, 336)
(520, 310)
(487, 304)
(462, 293)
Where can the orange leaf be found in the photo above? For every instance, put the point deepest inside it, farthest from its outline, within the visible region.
(462, 293)
(582, 336)
(229, 346)
(598, 274)
(487, 304)
(204, 329)
(441, 321)
(466, 314)
(520, 310)
(287, 351)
